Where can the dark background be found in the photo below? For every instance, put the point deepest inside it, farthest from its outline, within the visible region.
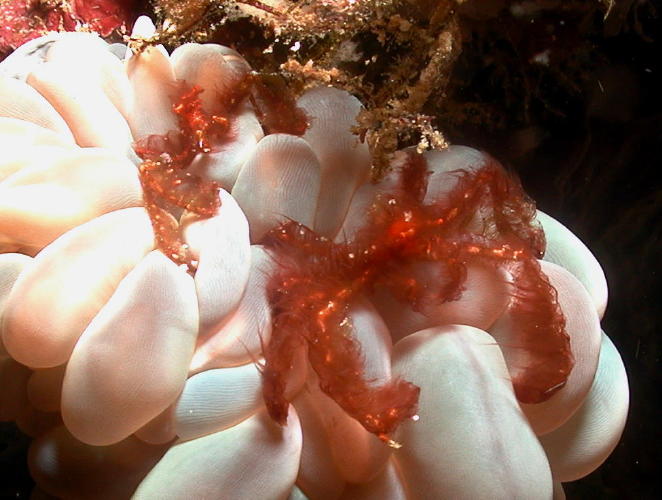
(584, 132)
(571, 101)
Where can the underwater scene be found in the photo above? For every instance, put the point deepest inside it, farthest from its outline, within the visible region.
(329, 249)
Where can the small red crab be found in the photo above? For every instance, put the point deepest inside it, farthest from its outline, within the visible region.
(319, 280)
(165, 177)
(165, 174)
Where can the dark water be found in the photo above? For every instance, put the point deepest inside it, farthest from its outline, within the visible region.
(588, 149)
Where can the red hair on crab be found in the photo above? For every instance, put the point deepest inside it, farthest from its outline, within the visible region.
(319, 280)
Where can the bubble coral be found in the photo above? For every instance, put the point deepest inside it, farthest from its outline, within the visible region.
(139, 326)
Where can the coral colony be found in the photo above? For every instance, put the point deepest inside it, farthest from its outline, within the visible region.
(318, 276)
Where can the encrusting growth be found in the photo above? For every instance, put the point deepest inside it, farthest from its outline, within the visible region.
(319, 280)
